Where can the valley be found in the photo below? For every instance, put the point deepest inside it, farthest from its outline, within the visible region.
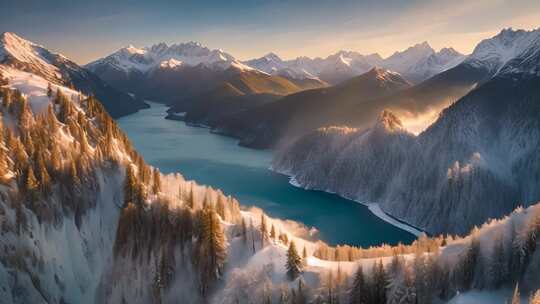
(215, 160)
(164, 160)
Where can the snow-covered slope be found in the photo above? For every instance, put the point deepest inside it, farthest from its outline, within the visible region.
(421, 62)
(18, 51)
(494, 53)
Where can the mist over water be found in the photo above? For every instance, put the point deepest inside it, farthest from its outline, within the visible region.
(218, 161)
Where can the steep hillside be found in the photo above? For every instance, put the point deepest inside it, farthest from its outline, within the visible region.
(483, 148)
(24, 55)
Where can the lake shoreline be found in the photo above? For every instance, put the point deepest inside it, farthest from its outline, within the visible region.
(374, 208)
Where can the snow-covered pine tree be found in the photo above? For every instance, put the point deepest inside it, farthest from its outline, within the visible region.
(497, 263)
(465, 269)
(379, 283)
(211, 252)
(294, 262)
(263, 230)
(243, 230)
(359, 292)
(3, 156)
(273, 233)
(31, 186)
(420, 278)
(156, 181)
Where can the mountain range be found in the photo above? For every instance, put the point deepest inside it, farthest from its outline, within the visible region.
(417, 106)
(482, 148)
(416, 64)
(24, 55)
(182, 75)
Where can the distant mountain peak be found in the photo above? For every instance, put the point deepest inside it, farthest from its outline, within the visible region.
(495, 52)
(164, 56)
(272, 56)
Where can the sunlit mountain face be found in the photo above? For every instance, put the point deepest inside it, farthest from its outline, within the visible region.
(281, 152)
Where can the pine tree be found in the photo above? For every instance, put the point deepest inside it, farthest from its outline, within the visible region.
(264, 233)
(359, 293)
(273, 232)
(31, 185)
(220, 208)
(294, 262)
(420, 278)
(7, 99)
(156, 186)
(409, 295)
(130, 184)
(467, 265)
(3, 155)
(191, 197)
(211, 249)
(251, 228)
(244, 231)
(497, 268)
(379, 283)
(44, 177)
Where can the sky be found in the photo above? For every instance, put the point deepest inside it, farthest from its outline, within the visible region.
(90, 29)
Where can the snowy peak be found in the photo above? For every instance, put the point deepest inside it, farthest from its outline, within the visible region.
(17, 51)
(416, 63)
(161, 55)
(412, 54)
(509, 44)
(385, 75)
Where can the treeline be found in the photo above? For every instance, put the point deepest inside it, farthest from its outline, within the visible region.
(48, 160)
(481, 263)
(352, 253)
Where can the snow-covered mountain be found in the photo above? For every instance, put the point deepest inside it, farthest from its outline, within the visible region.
(416, 64)
(27, 56)
(161, 55)
(183, 74)
(508, 46)
(421, 62)
(483, 148)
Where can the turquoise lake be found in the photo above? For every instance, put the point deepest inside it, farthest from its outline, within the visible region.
(215, 160)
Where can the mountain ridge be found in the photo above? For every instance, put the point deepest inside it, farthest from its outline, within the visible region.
(25, 55)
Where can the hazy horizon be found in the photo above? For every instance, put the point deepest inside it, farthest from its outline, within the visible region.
(251, 29)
